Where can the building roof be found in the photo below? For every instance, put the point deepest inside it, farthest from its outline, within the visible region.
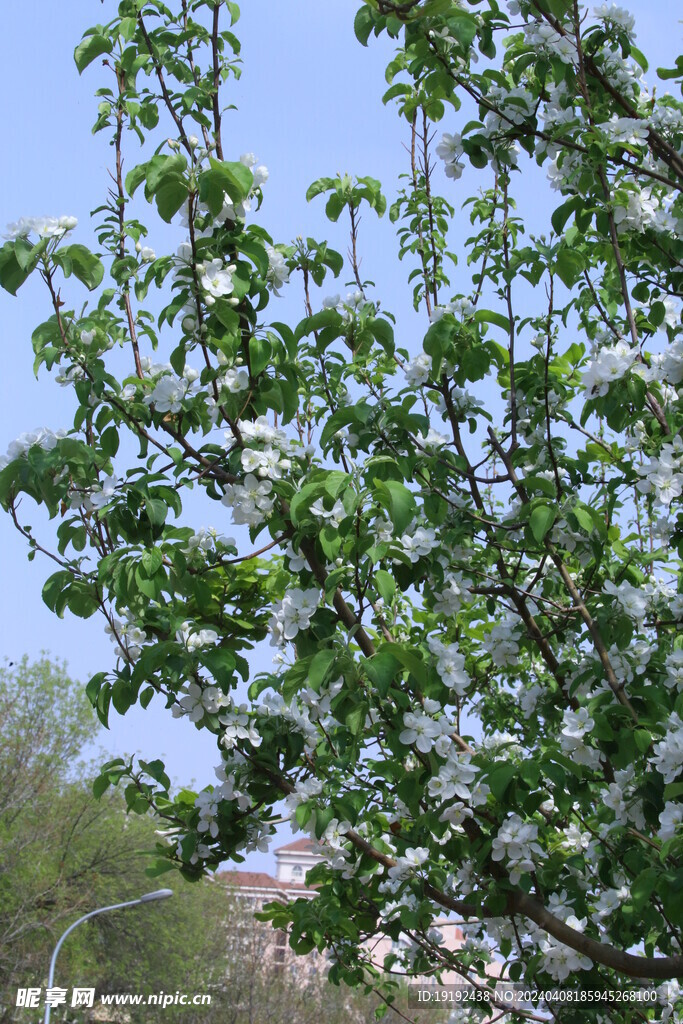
(259, 880)
(298, 846)
(250, 879)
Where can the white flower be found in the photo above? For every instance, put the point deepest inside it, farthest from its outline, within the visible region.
(197, 700)
(335, 515)
(278, 271)
(610, 364)
(383, 530)
(44, 227)
(297, 562)
(501, 643)
(334, 833)
(421, 542)
(205, 539)
(515, 843)
(633, 600)
(668, 759)
(43, 437)
(102, 495)
(560, 961)
(450, 148)
(167, 395)
(625, 130)
(614, 799)
(238, 726)
(449, 600)
(669, 819)
(576, 840)
(266, 463)
(235, 380)
(412, 860)
(293, 613)
(259, 171)
(207, 802)
(450, 666)
(193, 639)
(456, 814)
(616, 17)
(216, 279)
(454, 170)
(418, 369)
(575, 726)
(250, 502)
(419, 729)
(674, 670)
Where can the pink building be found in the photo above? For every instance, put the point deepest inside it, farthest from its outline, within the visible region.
(293, 861)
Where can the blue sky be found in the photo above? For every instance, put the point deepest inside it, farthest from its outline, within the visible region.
(309, 104)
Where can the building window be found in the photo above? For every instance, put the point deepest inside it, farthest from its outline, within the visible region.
(297, 871)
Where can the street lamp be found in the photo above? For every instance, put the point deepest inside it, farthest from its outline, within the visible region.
(160, 894)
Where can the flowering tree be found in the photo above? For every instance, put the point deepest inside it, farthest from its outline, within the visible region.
(464, 556)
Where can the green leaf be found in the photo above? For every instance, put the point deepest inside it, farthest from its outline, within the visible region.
(384, 333)
(564, 212)
(381, 669)
(224, 176)
(386, 585)
(463, 27)
(335, 204)
(320, 668)
(135, 178)
(260, 351)
(100, 786)
(643, 740)
(83, 264)
(170, 197)
(584, 519)
(569, 266)
(89, 48)
(318, 187)
(488, 316)
(355, 719)
(12, 275)
(398, 502)
(325, 318)
(363, 25)
(541, 521)
(676, 72)
(500, 777)
(152, 561)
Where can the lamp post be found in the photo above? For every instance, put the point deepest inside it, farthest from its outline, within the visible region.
(160, 894)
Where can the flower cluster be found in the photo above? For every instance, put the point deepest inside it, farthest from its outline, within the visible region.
(194, 639)
(293, 613)
(127, 636)
(43, 227)
(43, 437)
(668, 759)
(196, 701)
(516, 843)
(251, 502)
(609, 364)
(278, 271)
(575, 727)
(450, 664)
(662, 474)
